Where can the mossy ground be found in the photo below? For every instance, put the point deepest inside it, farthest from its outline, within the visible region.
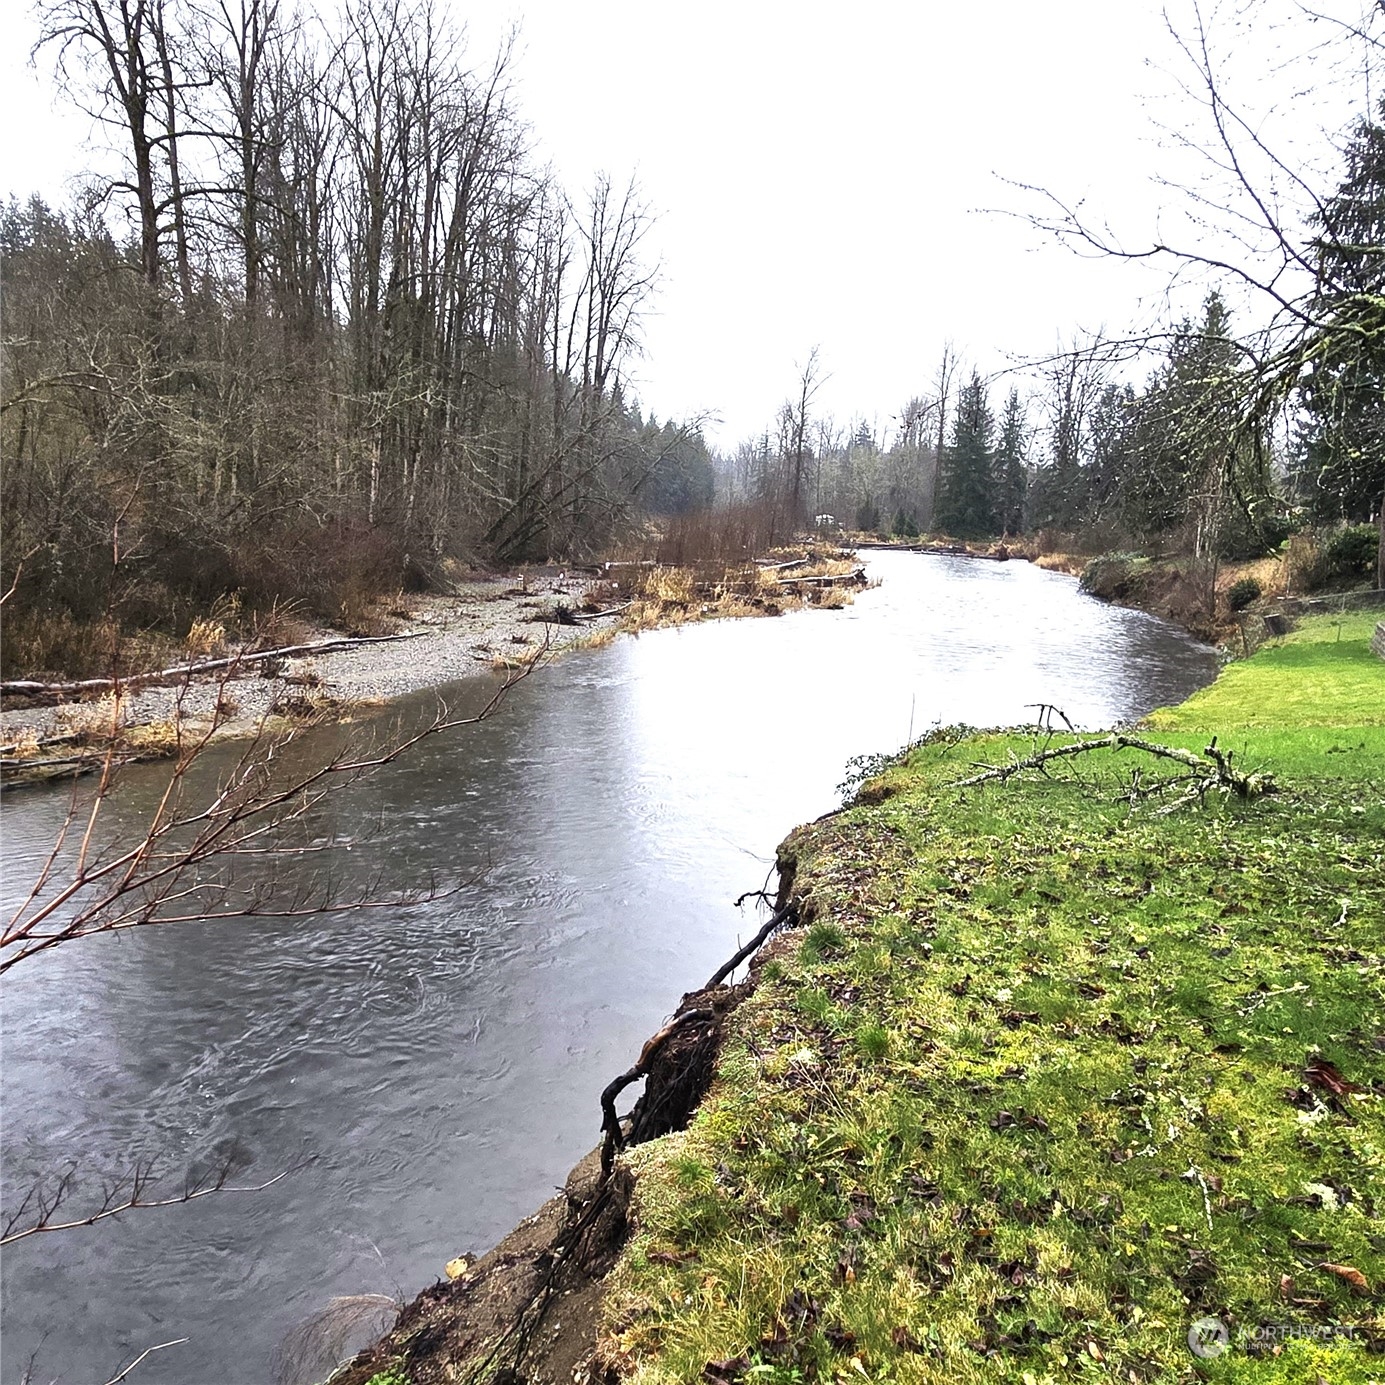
(1050, 1077)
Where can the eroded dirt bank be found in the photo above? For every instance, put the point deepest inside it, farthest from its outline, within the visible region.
(530, 1309)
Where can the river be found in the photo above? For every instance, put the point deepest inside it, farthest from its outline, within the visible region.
(439, 1065)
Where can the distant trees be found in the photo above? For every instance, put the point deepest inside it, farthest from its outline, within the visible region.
(349, 302)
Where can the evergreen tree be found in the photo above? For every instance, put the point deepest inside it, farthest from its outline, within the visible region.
(1340, 470)
(1187, 431)
(1111, 457)
(967, 503)
(1008, 470)
(1060, 487)
(681, 478)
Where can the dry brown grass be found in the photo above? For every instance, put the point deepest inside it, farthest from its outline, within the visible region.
(155, 740)
(596, 639)
(666, 596)
(1071, 563)
(1271, 573)
(309, 706)
(834, 598)
(57, 646)
(206, 639)
(90, 722)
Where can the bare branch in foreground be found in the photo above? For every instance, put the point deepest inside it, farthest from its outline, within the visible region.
(38, 1212)
(179, 869)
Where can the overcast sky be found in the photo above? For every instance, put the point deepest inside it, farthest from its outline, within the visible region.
(834, 175)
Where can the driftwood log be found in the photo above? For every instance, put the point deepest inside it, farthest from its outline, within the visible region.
(856, 575)
(28, 688)
(565, 615)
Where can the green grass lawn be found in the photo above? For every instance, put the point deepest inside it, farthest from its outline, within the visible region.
(1048, 1077)
(1323, 674)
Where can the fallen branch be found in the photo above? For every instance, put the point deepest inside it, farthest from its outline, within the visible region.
(147, 1352)
(601, 615)
(29, 688)
(1213, 765)
(856, 575)
(610, 1121)
(95, 757)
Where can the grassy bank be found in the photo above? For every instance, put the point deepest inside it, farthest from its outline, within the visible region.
(1052, 1073)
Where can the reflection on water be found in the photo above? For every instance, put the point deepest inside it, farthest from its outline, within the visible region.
(440, 1065)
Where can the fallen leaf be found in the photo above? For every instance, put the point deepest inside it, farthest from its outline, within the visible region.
(726, 1371)
(1352, 1275)
(1320, 1073)
(905, 1340)
(458, 1267)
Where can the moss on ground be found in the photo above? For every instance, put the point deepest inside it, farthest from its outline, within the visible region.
(1050, 1077)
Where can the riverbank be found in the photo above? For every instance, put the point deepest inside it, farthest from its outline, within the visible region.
(1056, 1065)
(500, 622)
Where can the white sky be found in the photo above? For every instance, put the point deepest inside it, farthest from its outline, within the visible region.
(821, 170)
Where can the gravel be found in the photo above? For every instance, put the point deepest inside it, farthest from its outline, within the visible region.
(457, 636)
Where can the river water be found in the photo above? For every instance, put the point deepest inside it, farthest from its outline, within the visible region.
(439, 1065)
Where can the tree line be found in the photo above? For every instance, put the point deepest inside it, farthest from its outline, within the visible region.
(1230, 442)
(329, 325)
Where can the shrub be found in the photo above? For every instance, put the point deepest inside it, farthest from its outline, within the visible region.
(1110, 576)
(821, 939)
(1338, 555)
(1242, 593)
(1254, 530)
(1351, 552)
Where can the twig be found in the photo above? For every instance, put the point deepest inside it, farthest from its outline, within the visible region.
(130, 1204)
(1195, 1173)
(763, 895)
(148, 1351)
